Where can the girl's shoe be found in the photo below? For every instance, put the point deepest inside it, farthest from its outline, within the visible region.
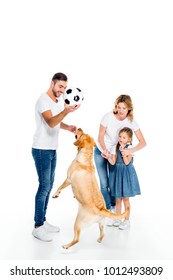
(117, 223)
(108, 222)
(124, 225)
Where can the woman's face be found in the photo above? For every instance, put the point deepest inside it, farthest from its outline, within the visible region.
(122, 110)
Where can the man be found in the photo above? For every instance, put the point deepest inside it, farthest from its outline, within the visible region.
(49, 116)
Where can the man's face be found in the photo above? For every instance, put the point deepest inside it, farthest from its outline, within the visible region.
(58, 87)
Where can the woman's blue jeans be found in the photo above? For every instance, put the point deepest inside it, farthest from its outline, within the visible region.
(45, 162)
(103, 169)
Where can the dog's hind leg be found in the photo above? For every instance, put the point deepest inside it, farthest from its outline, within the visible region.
(75, 239)
(101, 227)
(65, 184)
(79, 223)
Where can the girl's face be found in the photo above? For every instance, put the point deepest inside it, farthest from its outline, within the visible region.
(123, 138)
(122, 110)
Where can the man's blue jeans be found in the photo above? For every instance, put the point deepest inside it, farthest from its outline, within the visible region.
(45, 162)
(103, 169)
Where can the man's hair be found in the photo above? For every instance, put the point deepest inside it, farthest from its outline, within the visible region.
(59, 76)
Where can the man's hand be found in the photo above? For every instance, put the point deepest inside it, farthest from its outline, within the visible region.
(72, 128)
(70, 109)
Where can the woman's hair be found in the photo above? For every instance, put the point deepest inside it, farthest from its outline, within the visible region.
(127, 100)
(129, 133)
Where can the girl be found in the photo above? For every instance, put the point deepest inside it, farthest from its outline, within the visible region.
(124, 180)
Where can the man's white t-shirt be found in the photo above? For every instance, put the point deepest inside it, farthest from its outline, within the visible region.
(45, 137)
(113, 126)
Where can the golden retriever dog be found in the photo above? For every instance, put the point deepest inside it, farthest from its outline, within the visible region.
(81, 176)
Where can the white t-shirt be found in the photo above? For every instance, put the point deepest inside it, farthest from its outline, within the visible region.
(113, 126)
(45, 137)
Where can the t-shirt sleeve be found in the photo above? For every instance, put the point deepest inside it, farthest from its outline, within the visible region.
(43, 105)
(112, 150)
(104, 120)
(135, 125)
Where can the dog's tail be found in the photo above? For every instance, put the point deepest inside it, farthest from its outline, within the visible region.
(108, 214)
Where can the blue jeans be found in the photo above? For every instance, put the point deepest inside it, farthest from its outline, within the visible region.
(103, 169)
(45, 162)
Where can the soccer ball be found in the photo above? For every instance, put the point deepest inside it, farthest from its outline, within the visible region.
(73, 96)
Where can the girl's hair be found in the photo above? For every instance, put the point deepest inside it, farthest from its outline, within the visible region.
(127, 100)
(129, 133)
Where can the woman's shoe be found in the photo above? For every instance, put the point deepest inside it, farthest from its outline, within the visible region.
(124, 225)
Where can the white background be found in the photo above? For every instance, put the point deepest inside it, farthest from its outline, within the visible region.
(106, 48)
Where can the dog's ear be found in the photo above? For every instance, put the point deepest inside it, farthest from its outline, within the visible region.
(77, 143)
(94, 143)
(80, 129)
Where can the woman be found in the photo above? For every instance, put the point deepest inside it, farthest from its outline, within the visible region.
(111, 124)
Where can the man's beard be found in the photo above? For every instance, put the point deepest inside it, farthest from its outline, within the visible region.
(55, 93)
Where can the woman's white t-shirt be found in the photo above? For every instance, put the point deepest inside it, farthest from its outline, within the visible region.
(113, 126)
(45, 137)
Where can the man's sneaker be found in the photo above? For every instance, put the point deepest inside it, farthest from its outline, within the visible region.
(41, 233)
(117, 223)
(51, 228)
(124, 225)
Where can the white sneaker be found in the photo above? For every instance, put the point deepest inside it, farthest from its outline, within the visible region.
(108, 222)
(41, 233)
(51, 228)
(124, 225)
(113, 209)
(117, 223)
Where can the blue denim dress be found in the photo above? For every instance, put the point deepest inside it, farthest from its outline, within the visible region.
(123, 180)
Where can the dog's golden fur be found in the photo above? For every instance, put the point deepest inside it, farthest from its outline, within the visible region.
(81, 176)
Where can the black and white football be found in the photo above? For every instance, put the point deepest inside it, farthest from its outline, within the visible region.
(73, 96)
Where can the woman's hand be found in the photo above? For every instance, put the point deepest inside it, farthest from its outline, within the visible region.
(126, 152)
(106, 154)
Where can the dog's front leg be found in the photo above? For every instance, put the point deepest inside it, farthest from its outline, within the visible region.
(66, 183)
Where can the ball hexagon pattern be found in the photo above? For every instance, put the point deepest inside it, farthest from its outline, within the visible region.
(73, 96)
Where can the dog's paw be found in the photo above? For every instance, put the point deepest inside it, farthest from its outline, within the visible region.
(65, 250)
(65, 247)
(56, 195)
(99, 240)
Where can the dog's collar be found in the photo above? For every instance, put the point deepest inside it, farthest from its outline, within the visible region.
(79, 136)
